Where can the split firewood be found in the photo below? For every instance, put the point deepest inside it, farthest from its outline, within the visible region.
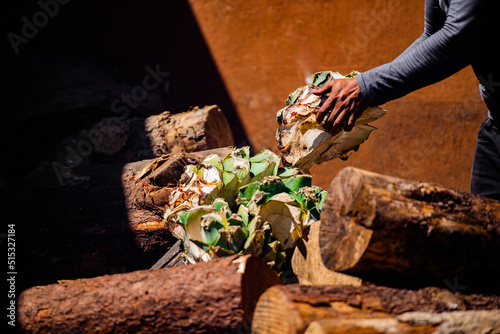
(292, 308)
(308, 265)
(398, 232)
(215, 297)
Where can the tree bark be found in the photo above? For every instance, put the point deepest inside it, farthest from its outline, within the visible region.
(398, 232)
(308, 266)
(291, 308)
(136, 139)
(215, 297)
(110, 221)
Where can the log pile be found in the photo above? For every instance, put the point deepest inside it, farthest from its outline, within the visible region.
(424, 246)
(215, 297)
(388, 256)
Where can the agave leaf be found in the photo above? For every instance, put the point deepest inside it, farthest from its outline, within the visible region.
(294, 183)
(292, 97)
(238, 238)
(243, 213)
(210, 232)
(192, 219)
(246, 192)
(286, 172)
(261, 169)
(241, 153)
(214, 160)
(203, 251)
(267, 155)
(236, 220)
(352, 74)
(222, 208)
(272, 185)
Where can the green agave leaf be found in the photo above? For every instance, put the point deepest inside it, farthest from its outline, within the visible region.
(191, 219)
(284, 172)
(273, 185)
(236, 220)
(210, 234)
(320, 78)
(222, 208)
(191, 169)
(261, 169)
(242, 153)
(294, 183)
(214, 160)
(267, 155)
(292, 98)
(352, 74)
(238, 238)
(243, 213)
(206, 247)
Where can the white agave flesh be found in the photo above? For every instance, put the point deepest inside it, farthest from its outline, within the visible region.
(285, 221)
(304, 142)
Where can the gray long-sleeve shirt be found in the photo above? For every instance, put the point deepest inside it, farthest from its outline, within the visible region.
(457, 33)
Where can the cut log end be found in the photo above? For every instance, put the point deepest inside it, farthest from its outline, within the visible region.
(385, 229)
(308, 265)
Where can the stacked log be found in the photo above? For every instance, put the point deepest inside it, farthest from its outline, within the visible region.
(398, 232)
(298, 308)
(105, 216)
(215, 297)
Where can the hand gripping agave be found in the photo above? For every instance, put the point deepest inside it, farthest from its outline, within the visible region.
(303, 141)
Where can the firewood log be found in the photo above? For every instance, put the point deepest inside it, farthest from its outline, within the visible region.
(112, 222)
(292, 308)
(214, 297)
(398, 232)
(308, 265)
(135, 139)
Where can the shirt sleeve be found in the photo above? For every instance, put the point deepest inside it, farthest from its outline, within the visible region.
(446, 46)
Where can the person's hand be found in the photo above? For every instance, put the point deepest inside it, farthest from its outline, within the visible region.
(343, 106)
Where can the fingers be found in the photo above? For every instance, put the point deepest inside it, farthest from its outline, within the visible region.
(323, 89)
(324, 110)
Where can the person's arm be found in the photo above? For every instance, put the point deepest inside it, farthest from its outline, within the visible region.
(445, 47)
(443, 53)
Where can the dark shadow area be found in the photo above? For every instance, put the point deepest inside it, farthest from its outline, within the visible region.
(66, 66)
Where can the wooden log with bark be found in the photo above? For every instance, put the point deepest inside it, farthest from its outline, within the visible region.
(215, 297)
(402, 233)
(288, 309)
(109, 220)
(308, 265)
(134, 139)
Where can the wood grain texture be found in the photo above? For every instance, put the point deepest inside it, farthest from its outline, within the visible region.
(201, 298)
(308, 265)
(395, 231)
(292, 308)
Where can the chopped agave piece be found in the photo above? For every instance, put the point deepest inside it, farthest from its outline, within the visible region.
(304, 142)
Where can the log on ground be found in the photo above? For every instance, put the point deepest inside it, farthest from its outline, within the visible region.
(292, 308)
(398, 232)
(214, 297)
(136, 139)
(308, 265)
